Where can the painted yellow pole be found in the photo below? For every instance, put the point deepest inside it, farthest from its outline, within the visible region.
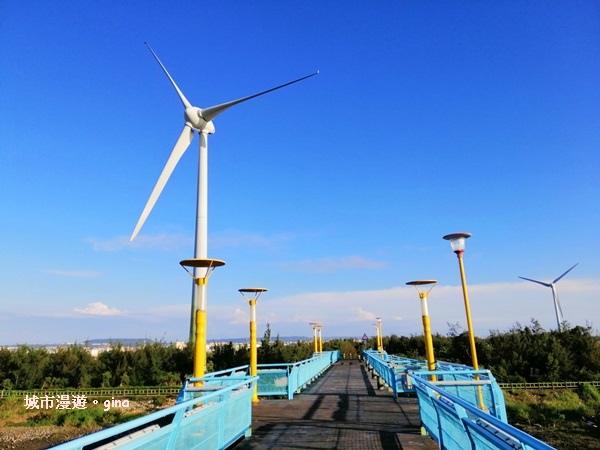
(253, 293)
(315, 326)
(470, 326)
(380, 336)
(468, 311)
(427, 333)
(199, 314)
(426, 323)
(200, 342)
(253, 349)
(377, 334)
(320, 341)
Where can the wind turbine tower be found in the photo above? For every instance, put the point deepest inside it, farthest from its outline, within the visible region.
(196, 120)
(557, 308)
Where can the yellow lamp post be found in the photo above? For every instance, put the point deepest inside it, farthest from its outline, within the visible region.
(252, 294)
(205, 267)
(320, 330)
(376, 325)
(380, 344)
(315, 326)
(457, 242)
(426, 325)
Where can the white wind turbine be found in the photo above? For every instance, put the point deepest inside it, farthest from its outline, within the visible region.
(196, 120)
(557, 308)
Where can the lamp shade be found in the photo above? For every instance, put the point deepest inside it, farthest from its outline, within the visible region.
(457, 241)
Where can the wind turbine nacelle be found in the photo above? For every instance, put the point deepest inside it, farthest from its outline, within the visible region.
(193, 117)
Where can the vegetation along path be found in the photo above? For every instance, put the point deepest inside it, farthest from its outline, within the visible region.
(342, 409)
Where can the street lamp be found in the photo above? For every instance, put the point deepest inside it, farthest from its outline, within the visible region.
(380, 344)
(457, 242)
(377, 325)
(252, 294)
(315, 327)
(426, 325)
(320, 330)
(203, 267)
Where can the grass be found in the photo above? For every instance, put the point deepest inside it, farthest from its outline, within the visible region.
(563, 419)
(14, 413)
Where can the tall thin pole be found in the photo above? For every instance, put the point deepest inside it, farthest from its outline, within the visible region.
(320, 340)
(253, 350)
(559, 318)
(199, 297)
(377, 335)
(427, 333)
(380, 336)
(459, 254)
(202, 270)
(468, 310)
(256, 292)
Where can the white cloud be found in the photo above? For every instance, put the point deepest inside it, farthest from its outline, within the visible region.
(365, 315)
(99, 309)
(496, 306)
(328, 265)
(73, 273)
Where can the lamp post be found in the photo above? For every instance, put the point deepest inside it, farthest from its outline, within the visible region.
(320, 330)
(426, 324)
(380, 335)
(457, 242)
(202, 270)
(315, 327)
(252, 294)
(377, 335)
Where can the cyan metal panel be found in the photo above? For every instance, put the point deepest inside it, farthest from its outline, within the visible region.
(207, 417)
(449, 406)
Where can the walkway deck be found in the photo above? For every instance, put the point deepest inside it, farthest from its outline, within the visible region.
(341, 410)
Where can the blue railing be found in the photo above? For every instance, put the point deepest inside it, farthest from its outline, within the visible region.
(454, 423)
(476, 387)
(285, 379)
(463, 381)
(211, 412)
(211, 416)
(448, 404)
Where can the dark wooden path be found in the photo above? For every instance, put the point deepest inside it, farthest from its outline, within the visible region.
(343, 409)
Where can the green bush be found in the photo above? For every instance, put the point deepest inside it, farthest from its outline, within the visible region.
(589, 393)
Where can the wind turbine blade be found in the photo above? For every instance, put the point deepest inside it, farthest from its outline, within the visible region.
(564, 274)
(211, 112)
(536, 281)
(184, 100)
(180, 147)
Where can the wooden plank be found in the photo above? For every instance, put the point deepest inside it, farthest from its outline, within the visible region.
(342, 409)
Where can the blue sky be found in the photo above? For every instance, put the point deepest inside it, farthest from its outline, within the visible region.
(427, 118)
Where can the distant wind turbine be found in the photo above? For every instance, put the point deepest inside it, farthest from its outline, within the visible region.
(196, 120)
(557, 308)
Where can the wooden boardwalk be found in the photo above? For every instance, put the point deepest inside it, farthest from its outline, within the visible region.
(343, 409)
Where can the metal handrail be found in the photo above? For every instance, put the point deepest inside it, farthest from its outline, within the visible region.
(470, 419)
(168, 427)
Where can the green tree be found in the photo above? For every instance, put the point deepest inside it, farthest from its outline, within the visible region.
(115, 362)
(73, 365)
(28, 366)
(228, 356)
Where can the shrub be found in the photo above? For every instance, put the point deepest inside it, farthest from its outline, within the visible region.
(588, 393)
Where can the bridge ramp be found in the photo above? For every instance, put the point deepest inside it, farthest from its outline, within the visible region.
(343, 409)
